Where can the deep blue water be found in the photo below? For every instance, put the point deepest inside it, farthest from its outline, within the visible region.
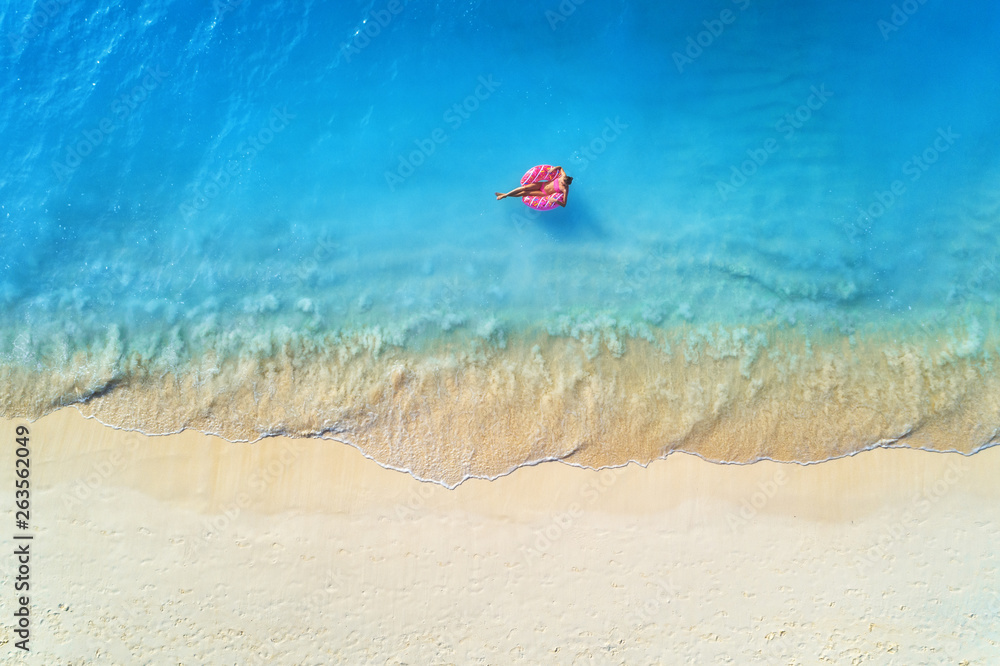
(183, 86)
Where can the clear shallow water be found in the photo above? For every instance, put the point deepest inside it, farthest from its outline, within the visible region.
(251, 219)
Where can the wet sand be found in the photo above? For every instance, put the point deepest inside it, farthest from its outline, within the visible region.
(199, 550)
(588, 393)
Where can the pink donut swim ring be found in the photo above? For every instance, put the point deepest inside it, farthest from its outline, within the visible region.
(537, 174)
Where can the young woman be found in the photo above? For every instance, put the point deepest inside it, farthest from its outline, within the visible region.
(559, 185)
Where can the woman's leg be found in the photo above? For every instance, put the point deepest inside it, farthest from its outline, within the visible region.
(531, 189)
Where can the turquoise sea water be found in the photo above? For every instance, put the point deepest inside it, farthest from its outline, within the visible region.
(186, 179)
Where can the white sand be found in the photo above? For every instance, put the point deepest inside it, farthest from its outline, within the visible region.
(190, 550)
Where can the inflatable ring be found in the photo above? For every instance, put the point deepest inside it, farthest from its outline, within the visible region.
(541, 173)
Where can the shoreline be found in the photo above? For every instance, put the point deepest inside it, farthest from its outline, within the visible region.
(123, 450)
(593, 395)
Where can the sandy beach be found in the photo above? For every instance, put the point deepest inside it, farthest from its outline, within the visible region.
(190, 549)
